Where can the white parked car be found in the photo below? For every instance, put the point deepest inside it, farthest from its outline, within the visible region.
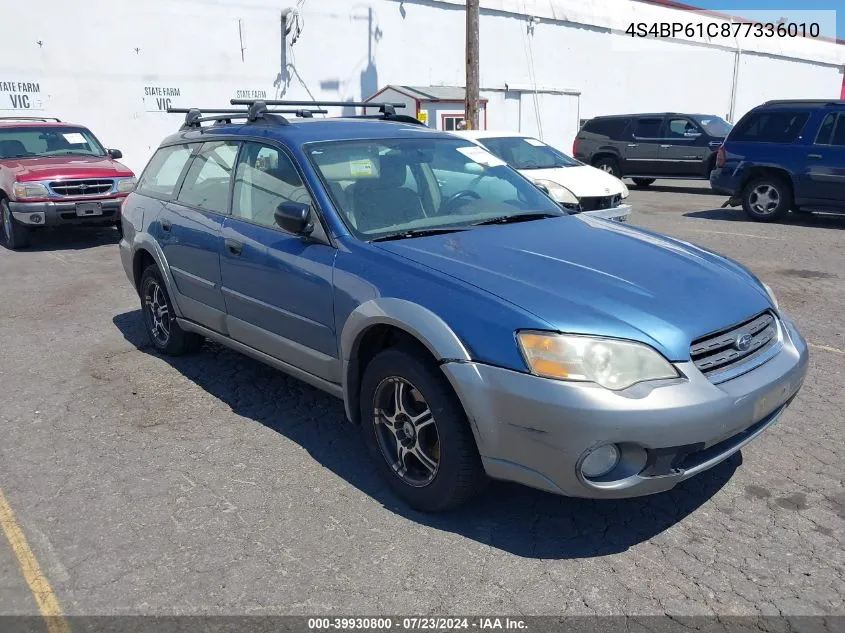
(576, 187)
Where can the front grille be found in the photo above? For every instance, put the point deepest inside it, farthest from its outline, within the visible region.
(719, 352)
(597, 203)
(78, 188)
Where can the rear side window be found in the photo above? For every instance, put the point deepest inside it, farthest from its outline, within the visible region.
(206, 184)
(162, 173)
(648, 128)
(611, 128)
(776, 126)
(832, 130)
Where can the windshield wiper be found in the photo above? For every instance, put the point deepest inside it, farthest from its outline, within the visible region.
(519, 217)
(410, 233)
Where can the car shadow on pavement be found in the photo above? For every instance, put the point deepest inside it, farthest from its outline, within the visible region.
(71, 238)
(820, 220)
(509, 517)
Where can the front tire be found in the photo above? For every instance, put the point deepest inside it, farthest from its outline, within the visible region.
(416, 430)
(610, 165)
(15, 235)
(642, 183)
(766, 199)
(160, 319)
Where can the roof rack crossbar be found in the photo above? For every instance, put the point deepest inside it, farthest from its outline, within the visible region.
(30, 118)
(384, 108)
(209, 111)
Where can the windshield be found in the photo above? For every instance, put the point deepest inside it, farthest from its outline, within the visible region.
(713, 125)
(386, 186)
(521, 152)
(34, 142)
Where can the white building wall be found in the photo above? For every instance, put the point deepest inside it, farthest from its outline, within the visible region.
(93, 59)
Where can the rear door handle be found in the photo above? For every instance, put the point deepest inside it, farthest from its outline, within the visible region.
(234, 246)
(665, 146)
(814, 156)
(633, 144)
(165, 226)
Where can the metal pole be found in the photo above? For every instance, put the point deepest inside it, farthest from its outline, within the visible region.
(471, 106)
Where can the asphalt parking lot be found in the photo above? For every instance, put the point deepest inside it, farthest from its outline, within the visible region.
(213, 484)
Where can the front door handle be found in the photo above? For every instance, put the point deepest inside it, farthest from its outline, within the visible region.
(165, 226)
(633, 145)
(814, 156)
(665, 146)
(234, 247)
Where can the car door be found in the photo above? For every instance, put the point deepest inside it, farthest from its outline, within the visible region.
(684, 149)
(641, 152)
(190, 234)
(277, 286)
(826, 162)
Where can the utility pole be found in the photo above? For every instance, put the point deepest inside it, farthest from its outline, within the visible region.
(471, 106)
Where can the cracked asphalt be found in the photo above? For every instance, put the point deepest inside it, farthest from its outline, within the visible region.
(212, 484)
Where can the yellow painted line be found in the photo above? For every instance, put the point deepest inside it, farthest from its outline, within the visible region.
(827, 348)
(31, 570)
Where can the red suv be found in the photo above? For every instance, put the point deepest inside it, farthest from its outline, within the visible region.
(53, 174)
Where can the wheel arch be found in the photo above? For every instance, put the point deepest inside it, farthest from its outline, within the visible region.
(145, 250)
(384, 322)
(759, 171)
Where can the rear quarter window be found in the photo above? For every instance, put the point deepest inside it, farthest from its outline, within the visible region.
(611, 128)
(773, 126)
(163, 171)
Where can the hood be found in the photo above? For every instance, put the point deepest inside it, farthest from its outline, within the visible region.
(59, 167)
(583, 181)
(586, 275)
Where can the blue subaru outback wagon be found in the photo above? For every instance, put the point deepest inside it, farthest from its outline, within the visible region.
(472, 328)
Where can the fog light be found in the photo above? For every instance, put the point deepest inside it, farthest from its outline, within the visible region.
(600, 461)
(35, 218)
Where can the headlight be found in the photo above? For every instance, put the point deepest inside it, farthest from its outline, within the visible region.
(24, 190)
(771, 294)
(126, 185)
(558, 193)
(611, 363)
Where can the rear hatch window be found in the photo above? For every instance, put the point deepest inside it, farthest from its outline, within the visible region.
(772, 126)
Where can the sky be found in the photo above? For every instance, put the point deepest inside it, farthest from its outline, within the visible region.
(794, 10)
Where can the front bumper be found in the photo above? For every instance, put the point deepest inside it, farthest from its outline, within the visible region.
(536, 431)
(51, 213)
(622, 213)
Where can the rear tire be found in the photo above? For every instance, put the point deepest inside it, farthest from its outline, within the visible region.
(160, 319)
(766, 199)
(15, 234)
(642, 183)
(429, 460)
(610, 165)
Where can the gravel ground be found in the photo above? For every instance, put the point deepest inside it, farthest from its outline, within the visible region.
(212, 484)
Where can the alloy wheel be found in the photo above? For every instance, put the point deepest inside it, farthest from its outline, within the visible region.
(406, 431)
(764, 199)
(158, 313)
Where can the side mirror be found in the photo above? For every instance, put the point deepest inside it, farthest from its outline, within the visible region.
(294, 217)
(115, 154)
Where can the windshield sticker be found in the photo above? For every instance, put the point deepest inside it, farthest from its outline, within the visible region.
(535, 142)
(75, 138)
(481, 156)
(361, 168)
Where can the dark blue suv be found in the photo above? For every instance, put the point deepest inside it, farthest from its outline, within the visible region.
(785, 155)
(472, 327)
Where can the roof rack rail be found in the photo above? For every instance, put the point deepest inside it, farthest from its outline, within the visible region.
(807, 101)
(387, 110)
(30, 118)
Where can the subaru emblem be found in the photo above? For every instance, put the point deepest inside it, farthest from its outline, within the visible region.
(743, 342)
